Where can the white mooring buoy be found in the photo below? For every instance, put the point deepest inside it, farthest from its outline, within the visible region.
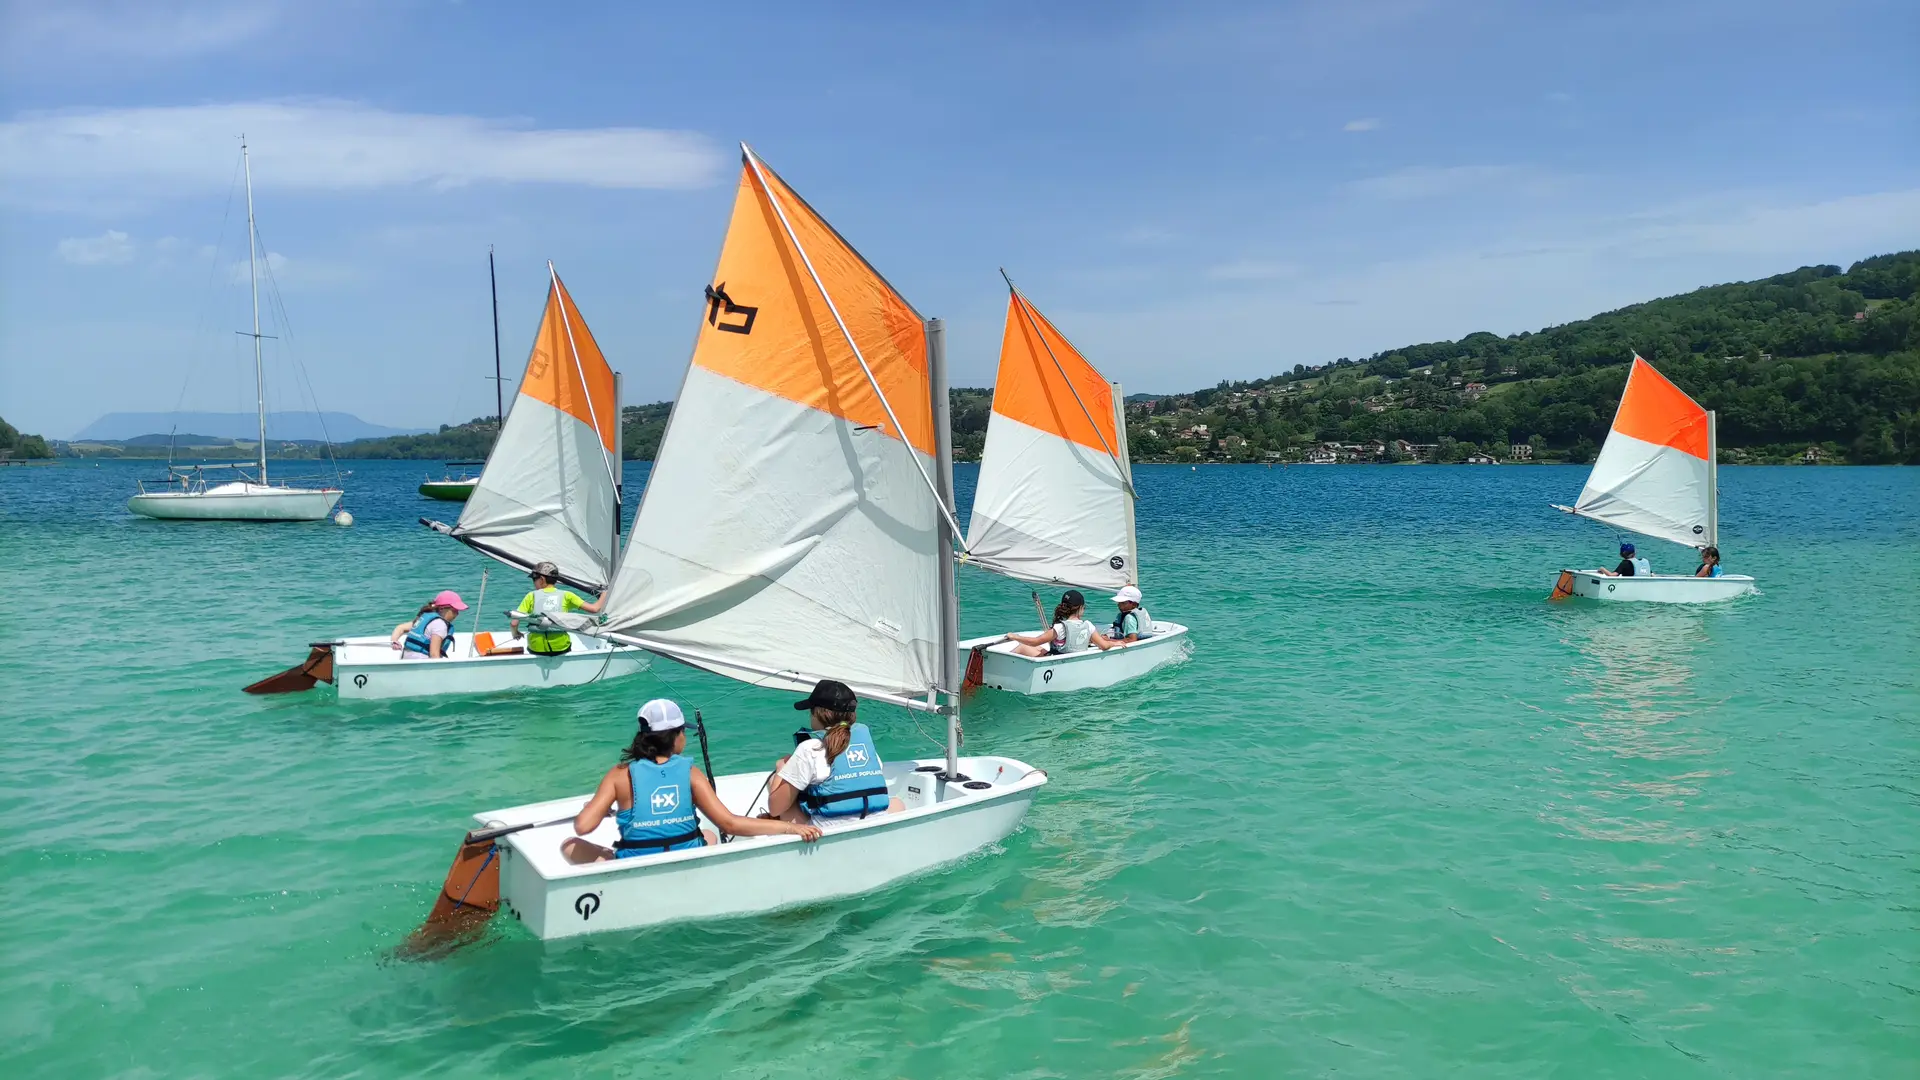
(343, 519)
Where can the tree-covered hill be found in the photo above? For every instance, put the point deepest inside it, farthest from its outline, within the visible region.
(13, 444)
(1814, 358)
(640, 429)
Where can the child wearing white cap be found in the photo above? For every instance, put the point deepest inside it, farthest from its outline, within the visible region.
(1134, 623)
(656, 790)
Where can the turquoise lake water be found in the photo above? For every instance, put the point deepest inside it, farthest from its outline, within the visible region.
(1397, 817)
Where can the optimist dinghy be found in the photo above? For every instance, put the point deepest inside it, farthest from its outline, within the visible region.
(798, 525)
(1656, 475)
(550, 491)
(1054, 505)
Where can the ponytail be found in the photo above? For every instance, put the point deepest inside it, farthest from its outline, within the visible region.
(649, 745)
(423, 610)
(839, 731)
(1063, 609)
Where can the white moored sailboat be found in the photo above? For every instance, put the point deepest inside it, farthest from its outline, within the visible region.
(550, 492)
(187, 496)
(1054, 505)
(798, 525)
(1656, 475)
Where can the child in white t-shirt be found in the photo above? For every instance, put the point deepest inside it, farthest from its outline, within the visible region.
(1070, 632)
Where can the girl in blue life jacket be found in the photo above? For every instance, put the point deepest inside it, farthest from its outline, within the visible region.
(429, 636)
(1709, 562)
(656, 791)
(835, 773)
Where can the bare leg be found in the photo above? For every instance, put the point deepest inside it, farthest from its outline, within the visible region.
(1031, 650)
(580, 851)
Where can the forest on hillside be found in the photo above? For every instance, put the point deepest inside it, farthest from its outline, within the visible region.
(14, 444)
(1819, 357)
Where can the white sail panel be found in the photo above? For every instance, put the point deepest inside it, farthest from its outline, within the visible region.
(1652, 490)
(1050, 510)
(782, 538)
(547, 492)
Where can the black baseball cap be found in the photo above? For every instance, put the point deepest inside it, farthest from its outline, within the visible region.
(1072, 598)
(828, 694)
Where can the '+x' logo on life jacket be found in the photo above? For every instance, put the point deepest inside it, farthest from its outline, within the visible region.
(665, 799)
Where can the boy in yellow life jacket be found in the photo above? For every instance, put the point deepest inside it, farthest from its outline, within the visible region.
(549, 599)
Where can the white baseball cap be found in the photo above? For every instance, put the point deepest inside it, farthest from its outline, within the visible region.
(662, 715)
(1128, 594)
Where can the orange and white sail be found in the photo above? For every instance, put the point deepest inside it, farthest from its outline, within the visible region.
(1655, 475)
(790, 529)
(1054, 502)
(549, 492)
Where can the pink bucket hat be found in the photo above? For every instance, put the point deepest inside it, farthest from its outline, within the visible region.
(450, 599)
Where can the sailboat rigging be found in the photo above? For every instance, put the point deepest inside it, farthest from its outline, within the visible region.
(187, 494)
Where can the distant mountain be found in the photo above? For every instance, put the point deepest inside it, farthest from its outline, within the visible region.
(289, 426)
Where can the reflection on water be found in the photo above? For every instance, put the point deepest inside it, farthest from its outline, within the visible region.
(1637, 665)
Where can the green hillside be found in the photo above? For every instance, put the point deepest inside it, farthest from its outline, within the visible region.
(15, 445)
(640, 429)
(1815, 358)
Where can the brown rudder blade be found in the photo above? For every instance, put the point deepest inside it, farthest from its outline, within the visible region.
(466, 902)
(976, 669)
(1564, 587)
(316, 668)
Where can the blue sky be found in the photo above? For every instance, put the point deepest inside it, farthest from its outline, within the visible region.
(1192, 192)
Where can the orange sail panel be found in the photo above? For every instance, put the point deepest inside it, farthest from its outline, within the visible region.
(1040, 375)
(767, 325)
(553, 376)
(1654, 410)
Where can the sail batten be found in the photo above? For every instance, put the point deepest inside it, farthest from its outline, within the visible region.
(789, 530)
(1054, 502)
(1654, 474)
(547, 493)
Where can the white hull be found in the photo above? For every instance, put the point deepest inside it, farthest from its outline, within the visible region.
(1089, 669)
(370, 667)
(941, 823)
(1660, 588)
(252, 502)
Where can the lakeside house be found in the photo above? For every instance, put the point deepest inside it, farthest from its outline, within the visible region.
(1520, 451)
(1482, 459)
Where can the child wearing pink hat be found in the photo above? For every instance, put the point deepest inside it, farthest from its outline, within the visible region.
(429, 636)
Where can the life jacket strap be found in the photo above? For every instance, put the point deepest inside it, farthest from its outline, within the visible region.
(663, 843)
(820, 802)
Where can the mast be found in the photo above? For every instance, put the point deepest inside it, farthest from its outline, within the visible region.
(253, 281)
(948, 540)
(619, 474)
(1125, 460)
(1713, 479)
(499, 400)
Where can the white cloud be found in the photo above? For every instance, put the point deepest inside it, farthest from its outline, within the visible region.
(138, 29)
(111, 247)
(1365, 123)
(330, 146)
(1252, 270)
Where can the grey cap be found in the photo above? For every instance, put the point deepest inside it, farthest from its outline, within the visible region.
(546, 570)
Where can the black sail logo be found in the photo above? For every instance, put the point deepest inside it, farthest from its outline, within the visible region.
(721, 306)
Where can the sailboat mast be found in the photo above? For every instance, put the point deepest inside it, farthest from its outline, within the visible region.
(1713, 479)
(948, 540)
(619, 474)
(499, 398)
(253, 281)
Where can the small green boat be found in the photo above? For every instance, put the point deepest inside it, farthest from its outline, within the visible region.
(451, 488)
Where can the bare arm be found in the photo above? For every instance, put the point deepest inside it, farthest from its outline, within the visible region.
(597, 808)
(735, 825)
(1103, 642)
(399, 632)
(594, 608)
(1045, 637)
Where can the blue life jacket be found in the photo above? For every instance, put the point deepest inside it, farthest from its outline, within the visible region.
(858, 784)
(662, 816)
(418, 641)
(1716, 571)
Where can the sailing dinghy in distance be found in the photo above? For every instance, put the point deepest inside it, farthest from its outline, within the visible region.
(1657, 475)
(798, 525)
(1054, 505)
(550, 491)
